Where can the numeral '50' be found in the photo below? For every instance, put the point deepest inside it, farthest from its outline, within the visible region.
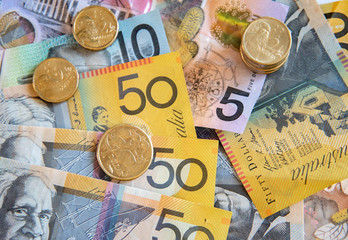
(123, 93)
(161, 225)
(170, 169)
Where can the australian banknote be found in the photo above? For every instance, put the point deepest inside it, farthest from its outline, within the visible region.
(26, 21)
(139, 37)
(246, 222)
(207, 34)
(336, 14)
(181, 167)
(45, 203)
(326, 213)
(298, 129)
(149, 93)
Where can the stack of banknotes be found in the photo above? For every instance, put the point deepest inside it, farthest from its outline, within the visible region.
(237, 154)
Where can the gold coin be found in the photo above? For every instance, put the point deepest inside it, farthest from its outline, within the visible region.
(266, 41)
(125, 152)
(95, 27)
(55, 80)
(262, 68)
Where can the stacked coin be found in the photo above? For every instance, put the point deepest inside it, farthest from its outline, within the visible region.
(265, 45)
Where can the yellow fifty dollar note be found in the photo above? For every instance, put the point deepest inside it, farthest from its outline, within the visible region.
(150, 93)
(336, 14)
(94, 209)
(181, 167)
(293, 147)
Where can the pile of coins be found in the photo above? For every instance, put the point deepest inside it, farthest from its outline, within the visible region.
(56, 79)
(265, 45)
(125, 152)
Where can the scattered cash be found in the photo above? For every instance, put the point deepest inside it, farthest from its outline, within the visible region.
(207, 34)
(139, 37)
(181, 167)
(55, 80)
(95, 28)
(28, 21)
(282, 135)
(125, 152)
(150, 93)
(295, 143)
(64, 205)
(246, 222)
(265, 45)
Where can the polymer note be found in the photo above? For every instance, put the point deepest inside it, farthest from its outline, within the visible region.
(71, 206)
(181, 167)
(326, 213)
(139, 37)
(336, 14)
(246, 222)
(295, 143)
(149, 93)
(26, 21)
(222, 89)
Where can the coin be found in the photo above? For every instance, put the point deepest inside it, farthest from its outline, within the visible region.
(265, 44)
(125, 152)
(55, 80)
(95, 27)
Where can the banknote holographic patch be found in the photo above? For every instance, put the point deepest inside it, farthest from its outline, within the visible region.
(230, 22)
(15, 30)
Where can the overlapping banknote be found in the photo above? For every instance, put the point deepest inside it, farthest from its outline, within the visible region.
(150, 93)
(295, 143)
(326, 213)
(26, 21)
(336, 14)
(207, 34)
(60, 205)
(246, 222)
(181, 167)
(139, 37)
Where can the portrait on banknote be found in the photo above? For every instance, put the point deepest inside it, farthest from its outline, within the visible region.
(26, 111)
(24, 146)
(31, 207)
(26, 204)
(326, 213)
(101, 118)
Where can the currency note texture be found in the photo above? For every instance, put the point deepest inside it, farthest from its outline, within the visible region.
(139, 37)
(181, 167)
(246, 222)
(46, 203)
(149, 93)
(28, 21)
(336, 14)
(222, 89)
(326, 213)
(295, 143)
